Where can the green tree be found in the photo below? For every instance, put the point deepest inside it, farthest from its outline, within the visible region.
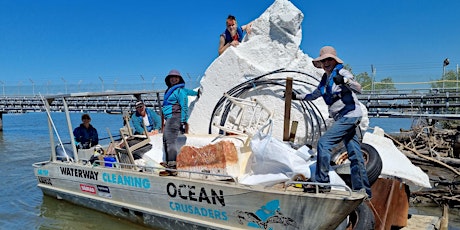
(365, 80)
(449, 79)
(348, 67)
(385, 84)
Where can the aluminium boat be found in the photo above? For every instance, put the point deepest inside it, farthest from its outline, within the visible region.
(122, 187)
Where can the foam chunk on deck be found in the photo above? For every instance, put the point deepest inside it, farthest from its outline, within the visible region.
(219, 158)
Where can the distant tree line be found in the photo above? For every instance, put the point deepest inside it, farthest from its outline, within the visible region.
(448, 81)
(366, 81)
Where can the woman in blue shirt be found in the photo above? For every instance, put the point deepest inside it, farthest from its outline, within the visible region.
(175, 112)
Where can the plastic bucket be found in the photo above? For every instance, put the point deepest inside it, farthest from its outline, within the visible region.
(109, 160)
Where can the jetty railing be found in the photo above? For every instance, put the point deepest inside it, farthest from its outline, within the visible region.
(382, 103)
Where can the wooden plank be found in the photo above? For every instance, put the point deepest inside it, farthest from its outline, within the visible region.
(399, 205)
(287, 108)
(389, 203)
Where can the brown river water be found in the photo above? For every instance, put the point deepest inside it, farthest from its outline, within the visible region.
(25, 140)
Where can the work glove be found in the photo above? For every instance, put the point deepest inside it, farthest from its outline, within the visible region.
(293, 96)
(182, 127)
(199, 94)
(338, 80)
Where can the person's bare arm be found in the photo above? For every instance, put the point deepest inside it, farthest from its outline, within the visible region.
(247, 27)
(222, 45)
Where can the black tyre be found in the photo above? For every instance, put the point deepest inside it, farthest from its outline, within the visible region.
(362, 218)
(372, 161)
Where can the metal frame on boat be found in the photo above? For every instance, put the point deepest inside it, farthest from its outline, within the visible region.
(138, 193)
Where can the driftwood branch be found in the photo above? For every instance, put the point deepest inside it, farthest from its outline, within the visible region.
(423, 156)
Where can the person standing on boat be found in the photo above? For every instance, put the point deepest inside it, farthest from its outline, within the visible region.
(85, 135)
(345, 109)
(145, 116)
(175, 112)
(233, 35)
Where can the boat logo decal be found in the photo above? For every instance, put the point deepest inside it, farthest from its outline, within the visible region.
(265, 217)
(123, 180)
(200, 195)
(88, 188)
(45, 180)
(81, 173)
(43, 172)
(214, 214)
(103, 191)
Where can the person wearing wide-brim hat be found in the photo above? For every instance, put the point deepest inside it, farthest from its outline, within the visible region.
(345, 109)
(325, 53)
(175, 112)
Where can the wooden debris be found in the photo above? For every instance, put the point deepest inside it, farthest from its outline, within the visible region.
(435, 151)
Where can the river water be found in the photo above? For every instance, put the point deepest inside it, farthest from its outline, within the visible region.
(25, 140)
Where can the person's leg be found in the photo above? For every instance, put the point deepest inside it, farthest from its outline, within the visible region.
(326, 142)
(359, 178)
(171, 131)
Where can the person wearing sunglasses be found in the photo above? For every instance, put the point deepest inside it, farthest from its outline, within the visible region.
(345, 109)
(85, 135)
(233, 35)
(145, 116)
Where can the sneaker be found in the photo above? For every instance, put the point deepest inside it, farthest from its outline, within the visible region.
(168, 173)
(310, 188)
(363, 191)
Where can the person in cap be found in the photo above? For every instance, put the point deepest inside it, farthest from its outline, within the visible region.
(145, 116)
(85, 135)
(175, 112)
(233, 35)
(345, 109)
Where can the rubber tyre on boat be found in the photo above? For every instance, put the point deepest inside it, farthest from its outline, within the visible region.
(362, 218)
(372, 161)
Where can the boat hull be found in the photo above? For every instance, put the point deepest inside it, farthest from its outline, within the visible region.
(177, 202)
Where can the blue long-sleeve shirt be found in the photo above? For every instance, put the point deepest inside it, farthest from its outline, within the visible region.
(177, 102)
(138, 122)
(86, 136)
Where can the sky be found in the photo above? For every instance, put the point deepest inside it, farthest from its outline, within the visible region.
(78, 42)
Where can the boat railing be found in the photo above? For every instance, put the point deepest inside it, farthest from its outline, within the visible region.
(225, 178)
(316, 184)
(153, 169)
(40, 164)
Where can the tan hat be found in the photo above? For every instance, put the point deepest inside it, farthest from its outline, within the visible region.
(326, 52)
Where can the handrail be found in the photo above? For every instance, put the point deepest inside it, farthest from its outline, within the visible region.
(150, 169)
(40, 164)
(347, 189)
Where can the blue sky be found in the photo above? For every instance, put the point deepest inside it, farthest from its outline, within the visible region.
(66, 42)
